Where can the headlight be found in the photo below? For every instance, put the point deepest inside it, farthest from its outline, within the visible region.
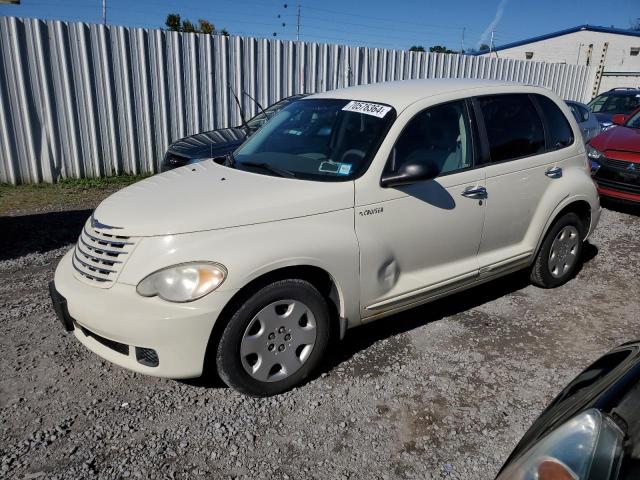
(183, 283)
(585, 445)
(593, 153)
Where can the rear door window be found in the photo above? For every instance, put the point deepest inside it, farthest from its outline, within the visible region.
(557, 128)
(514, 128)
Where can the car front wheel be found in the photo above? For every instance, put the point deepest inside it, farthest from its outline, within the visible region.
(275, 339)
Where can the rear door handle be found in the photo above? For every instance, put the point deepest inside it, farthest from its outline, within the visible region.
(553, 172)
(475, 192)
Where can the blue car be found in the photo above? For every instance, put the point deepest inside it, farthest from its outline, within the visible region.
(613, 102)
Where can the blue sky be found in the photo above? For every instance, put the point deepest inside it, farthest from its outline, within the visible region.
(380, 23)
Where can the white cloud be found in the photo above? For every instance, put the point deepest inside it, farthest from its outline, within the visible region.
(494, 23)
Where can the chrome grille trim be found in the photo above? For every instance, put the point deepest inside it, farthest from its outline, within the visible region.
(91, 267)
(85, 274)
(114, 243)
(98, 257)
(96, 251)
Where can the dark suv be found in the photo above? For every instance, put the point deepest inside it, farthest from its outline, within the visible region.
(613, 102)
(217, 143)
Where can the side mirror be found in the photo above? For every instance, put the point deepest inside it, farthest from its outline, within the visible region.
(619, 119)
(410, 172)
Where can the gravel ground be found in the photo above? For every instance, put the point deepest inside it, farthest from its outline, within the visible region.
(441, 391)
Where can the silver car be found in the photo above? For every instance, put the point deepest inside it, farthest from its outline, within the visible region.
(588, 123)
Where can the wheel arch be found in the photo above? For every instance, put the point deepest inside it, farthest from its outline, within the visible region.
(579, 206)
(317, 276)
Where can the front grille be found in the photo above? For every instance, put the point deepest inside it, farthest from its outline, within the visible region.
(619, 186)
(620, 164)
(112, 344)
(99, 256)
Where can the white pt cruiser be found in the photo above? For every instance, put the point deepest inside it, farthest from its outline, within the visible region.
(346, 207)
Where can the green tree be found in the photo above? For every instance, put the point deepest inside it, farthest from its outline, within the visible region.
(188, 27)
(483, 47)
(206, 27)
(173, 22)
(417, 48)
(441, 49)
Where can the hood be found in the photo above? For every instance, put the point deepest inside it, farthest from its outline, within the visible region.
(208, 196)
(603, 117)
(621, 139)
(208, 144)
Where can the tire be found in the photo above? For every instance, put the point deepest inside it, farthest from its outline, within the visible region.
(275, 339)
(548, 272)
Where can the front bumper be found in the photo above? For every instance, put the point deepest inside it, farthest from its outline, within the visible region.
(177, 332)
(619, 179)
(618, 195)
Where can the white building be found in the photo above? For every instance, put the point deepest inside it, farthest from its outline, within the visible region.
(612, 53)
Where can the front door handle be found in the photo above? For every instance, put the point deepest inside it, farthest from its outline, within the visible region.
(553, 172)
(475, 192)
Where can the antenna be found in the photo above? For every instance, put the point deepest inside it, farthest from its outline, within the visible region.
(298, 22)
(244, 122)
(257, 103)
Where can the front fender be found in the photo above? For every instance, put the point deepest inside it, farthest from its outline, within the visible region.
(326, 241)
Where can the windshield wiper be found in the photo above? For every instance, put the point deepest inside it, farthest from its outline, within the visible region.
(281, 172)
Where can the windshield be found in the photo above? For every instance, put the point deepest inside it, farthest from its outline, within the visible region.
(320, 139)
(614, 103)
(259, 120)
(634, 121)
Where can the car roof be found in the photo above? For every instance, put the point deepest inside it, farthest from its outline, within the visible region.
(402, 93)
(622, 92)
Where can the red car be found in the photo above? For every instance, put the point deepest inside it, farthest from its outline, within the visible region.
(615, 158)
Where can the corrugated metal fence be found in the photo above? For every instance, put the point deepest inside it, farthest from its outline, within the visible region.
(83, 100)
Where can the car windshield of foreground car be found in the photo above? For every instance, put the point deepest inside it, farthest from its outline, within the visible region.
(318, 139)
(633, 122)
(614, 103)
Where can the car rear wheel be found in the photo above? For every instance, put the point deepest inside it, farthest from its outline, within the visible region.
(275, 339)
(560, 253)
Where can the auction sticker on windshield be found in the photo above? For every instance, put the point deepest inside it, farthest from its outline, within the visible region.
(367, 108)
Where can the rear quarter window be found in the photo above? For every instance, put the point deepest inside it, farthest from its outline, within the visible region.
(514, 128)
(557, 129)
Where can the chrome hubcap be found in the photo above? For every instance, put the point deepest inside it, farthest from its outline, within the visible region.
(278, 340)
(564, 251)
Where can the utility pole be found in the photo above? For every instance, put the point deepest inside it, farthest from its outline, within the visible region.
(104, 12)
(462, 47)
(298, 22)
(491, 43)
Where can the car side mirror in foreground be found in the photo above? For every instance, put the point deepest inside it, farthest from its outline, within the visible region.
(410, 172)
(619, 119)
